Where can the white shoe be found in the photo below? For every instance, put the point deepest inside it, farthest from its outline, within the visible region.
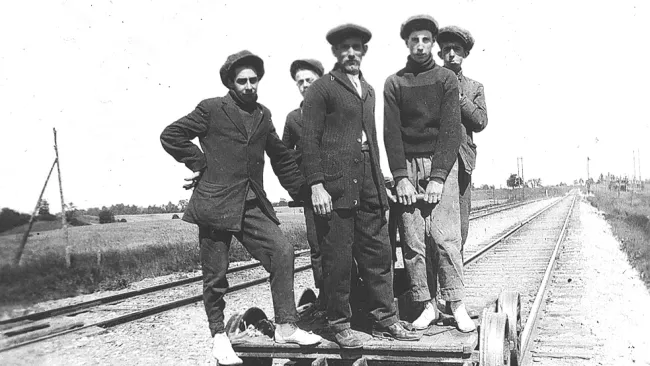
(223, 352)
(299, 336)
(428, 316)
(464, 323)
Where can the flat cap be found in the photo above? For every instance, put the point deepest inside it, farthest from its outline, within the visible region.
(454, 33)
(307, 63)
(418, 22)
(337, 34)
(241, 58)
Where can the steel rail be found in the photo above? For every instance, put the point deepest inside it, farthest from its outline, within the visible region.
(147, 312)
(509, 233)
(534, 310)
(69, 309)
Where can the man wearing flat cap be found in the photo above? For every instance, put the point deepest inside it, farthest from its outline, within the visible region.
(422, 134)
(304, 72)
(229, 199)
(341, 164)
(455, 44)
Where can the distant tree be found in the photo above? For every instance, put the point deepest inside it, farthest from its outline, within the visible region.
(601, 178)
(514, 181)
(182, 204)
(44, 207)
(10, 219)
(70, 212)
(106, 216)
(170, 207)
(485, 186)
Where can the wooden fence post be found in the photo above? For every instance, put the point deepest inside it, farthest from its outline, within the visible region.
(64, 222)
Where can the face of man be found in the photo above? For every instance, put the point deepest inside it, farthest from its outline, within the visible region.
(304, 78)
(420, 43)
(349, 53)
(245, 83)
(452, 53)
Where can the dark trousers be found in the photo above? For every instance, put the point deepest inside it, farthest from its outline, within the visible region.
(465, 200)
(314, 246)
(358, 234)
(265, 242)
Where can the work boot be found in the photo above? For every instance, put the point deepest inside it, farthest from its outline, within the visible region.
(464, 323)
(290, 333)
(223, 352)
(396, 331)
(428, 316)
(350, 338)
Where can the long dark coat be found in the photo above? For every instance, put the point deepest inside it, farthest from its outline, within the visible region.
(233, 161)
(333, 116)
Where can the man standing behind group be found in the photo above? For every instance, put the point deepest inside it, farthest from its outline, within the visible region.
(229, 199)
(341, 164)
(422, 134)
(455, 44)
(304, 72)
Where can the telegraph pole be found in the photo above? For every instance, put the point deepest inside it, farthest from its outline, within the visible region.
(64, 222)
(588, 185)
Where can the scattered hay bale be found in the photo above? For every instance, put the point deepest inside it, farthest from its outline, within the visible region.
(175, 217)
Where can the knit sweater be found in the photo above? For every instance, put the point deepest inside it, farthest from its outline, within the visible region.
(422, 117)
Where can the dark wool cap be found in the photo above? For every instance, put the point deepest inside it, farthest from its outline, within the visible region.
(454, 33)
(418, 22)
(309, 64)
(339, 33)
(241, 58)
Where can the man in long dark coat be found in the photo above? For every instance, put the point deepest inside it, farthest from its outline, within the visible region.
(229, 199)
(341, 164)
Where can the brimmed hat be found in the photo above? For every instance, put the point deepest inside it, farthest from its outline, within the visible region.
(240, 58)
(309, 64)
(337, 34)
(454, 33)
(418, 22)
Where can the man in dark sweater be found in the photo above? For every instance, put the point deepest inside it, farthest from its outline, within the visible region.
(455, 44)
(341, 164)
(229, 199)
(304, 72)
(422, 134)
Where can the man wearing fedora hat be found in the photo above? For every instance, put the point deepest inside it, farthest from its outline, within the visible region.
(341, 165)
(455, 44)
(229, 199)
(422, 134)
(304, 72)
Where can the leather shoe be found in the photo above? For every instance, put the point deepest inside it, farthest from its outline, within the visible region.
(396, 331)
(350, 338)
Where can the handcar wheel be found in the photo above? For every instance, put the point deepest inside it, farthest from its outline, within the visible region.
(494, 343)
(509, 303)
(256, 317)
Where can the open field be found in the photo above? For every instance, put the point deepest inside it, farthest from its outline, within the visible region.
(110, 256)
(629, 215)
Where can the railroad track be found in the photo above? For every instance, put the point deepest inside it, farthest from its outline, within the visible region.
(26, 323)
(521, 262)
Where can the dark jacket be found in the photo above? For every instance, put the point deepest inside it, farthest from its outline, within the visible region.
(473, 113)
(292, 133)
(233, 161)
(333, 118)
(422, 118)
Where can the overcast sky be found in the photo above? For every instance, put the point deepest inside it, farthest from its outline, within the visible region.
(564, 80)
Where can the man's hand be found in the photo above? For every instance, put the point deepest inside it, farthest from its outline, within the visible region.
(390, 195)
(406, 193)
(433, 193)
(321, 200)
(194, 180)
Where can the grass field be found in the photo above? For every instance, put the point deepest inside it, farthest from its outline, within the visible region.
(110, 256)
(628, 213)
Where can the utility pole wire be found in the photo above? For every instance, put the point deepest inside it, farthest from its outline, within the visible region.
(19, 254)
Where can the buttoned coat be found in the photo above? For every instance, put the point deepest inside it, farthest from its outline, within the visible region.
(292, 133)
(232, 160)
(333, 117)
(473, 115)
